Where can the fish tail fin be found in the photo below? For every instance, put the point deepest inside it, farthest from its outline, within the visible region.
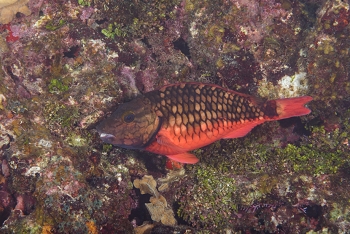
(291, 107)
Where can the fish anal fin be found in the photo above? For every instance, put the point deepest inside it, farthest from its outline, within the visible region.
(184, 158)
(242, 129)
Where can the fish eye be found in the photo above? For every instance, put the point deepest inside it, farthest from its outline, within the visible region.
(128, 117)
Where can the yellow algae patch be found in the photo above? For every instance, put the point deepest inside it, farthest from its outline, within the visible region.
(91, 226)
(47, 229)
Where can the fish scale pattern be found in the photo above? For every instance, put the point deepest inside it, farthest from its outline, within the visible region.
(192, 109)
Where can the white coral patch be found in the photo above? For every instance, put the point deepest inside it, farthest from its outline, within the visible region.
(293, 86)
(287, 87)
(33, 171)
(45, 143)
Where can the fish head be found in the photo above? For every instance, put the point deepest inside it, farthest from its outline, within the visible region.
(131, 126)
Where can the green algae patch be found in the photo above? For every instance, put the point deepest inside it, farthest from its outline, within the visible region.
(60, 116)
(114, 30)
(136, 18)
(266, 183)
(54, 25)
(56, 85)
(214, 191)
(84, 2)
(323, 153)
(78, 140)
(307, 159)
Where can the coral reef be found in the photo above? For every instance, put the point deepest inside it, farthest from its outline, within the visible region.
(64, 65)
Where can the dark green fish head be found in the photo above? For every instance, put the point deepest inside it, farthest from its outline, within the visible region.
(132, 125)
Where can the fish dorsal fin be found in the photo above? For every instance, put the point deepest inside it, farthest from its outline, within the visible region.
(184, 158)
(242, 129)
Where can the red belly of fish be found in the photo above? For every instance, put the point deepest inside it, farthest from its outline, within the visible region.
(180, 140)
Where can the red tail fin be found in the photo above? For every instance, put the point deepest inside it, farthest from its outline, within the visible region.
(291, 107)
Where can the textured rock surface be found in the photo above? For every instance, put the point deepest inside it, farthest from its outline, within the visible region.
(70, 63)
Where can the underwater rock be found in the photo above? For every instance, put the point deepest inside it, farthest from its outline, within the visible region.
(158, 206)
(9, 8)
(144, 228)
(160, 212)
(147, 185)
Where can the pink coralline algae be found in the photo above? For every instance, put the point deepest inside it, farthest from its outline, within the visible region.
(266, 11)
(86, 14)
(146, 79)
(11, 30)
(5, 168)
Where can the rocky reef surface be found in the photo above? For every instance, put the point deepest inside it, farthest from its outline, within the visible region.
(64, 65)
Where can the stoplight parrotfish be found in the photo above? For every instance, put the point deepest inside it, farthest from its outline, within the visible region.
(181, 117)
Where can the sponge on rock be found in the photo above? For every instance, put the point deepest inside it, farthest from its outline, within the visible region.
(9, 8)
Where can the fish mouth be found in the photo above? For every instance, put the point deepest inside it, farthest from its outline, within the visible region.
(111, 139)
(108, 138)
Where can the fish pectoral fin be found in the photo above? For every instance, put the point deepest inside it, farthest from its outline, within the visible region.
(165, 141)
(180, 155)
(242, 130)
(184, 158)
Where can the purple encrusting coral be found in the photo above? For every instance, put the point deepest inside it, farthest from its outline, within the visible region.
(70, 63)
